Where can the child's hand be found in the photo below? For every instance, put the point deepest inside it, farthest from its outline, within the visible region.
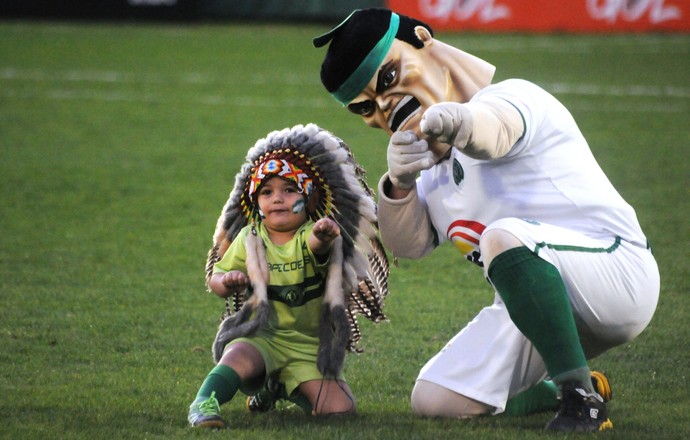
(326, 229)
(235, 281)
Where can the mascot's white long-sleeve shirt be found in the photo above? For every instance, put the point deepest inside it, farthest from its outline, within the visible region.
(549, 175)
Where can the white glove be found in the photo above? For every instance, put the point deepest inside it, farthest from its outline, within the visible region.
(407, 155)
(449, 122)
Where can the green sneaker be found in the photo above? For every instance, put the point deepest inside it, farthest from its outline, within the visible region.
(206, 413)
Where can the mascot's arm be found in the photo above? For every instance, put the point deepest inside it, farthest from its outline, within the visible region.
(485, 128)
(496, 127)
(404, 225)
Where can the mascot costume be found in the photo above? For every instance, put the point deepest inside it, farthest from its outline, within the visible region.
(502, 171)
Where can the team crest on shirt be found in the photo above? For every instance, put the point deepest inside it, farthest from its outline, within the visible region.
(291, 296)
(458, 172)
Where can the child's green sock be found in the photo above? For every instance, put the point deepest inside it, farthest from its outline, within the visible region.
(223, 380)
(537, 302)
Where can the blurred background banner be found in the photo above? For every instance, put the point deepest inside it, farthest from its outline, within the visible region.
(549, 15)
(443, 15)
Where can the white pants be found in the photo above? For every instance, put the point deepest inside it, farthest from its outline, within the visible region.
(613, 290)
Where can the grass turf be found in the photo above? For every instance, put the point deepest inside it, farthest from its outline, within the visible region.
(119, 145)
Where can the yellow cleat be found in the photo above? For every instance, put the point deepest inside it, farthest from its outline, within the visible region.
(601, 385)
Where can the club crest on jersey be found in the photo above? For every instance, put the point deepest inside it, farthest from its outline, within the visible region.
(291, 296)
(458, 172)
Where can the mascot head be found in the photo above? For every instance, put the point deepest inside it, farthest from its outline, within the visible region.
(388, 69)
(358, 47)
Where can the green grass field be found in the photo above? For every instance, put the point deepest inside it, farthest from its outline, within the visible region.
(119, 145)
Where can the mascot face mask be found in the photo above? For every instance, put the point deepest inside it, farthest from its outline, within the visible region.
(407, 82)
(390, 82)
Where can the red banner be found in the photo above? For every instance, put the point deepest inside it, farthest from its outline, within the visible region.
(549, 15)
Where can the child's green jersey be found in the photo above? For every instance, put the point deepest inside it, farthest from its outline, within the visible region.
(297, 280)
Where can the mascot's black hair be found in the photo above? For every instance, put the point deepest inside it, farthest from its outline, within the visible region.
(352, 40)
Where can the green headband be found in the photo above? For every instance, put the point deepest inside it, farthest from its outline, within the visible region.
(359, 79)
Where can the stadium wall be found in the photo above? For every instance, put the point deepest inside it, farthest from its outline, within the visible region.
(291, 10)
(101, 9)
(275, 10)
(442, 15)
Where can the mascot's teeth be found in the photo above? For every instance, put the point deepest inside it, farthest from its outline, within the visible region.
(406, 108)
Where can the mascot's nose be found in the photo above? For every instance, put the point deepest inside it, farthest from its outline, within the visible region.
(383, 103)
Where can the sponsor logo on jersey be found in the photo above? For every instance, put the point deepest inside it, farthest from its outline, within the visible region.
(290, 266)
(465, 235)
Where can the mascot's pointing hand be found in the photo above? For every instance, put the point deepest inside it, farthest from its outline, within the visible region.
(449, 122)
(407, 155)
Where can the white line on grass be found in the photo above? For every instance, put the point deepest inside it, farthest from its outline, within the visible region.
(582, 44)
(651, 91)
(622, 107)
(113, 77)
(289, 102)
(115, 96)
(48, 80)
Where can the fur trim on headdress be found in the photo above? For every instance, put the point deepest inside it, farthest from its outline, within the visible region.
(357, 280)
(239, 325)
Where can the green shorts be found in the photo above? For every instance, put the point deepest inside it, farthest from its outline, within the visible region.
(290, 355)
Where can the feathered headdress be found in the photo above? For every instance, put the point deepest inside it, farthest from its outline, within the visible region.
(357, 280)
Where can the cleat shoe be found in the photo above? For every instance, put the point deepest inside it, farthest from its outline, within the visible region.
(206, 413)
(580, 411)
(265, 400)
(601, 384)
(261, 402)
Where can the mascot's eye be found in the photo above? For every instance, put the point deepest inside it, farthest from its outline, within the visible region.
(389, 78)
(386, 78)
(364, 108)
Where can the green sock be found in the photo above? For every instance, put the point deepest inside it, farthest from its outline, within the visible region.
(541, 397)
(538, 304)
(223, 380)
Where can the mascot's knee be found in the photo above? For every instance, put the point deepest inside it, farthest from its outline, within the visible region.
(422, 400)
(496, 241)
(432, 400)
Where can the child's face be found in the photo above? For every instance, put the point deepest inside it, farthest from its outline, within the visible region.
(282, 205)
